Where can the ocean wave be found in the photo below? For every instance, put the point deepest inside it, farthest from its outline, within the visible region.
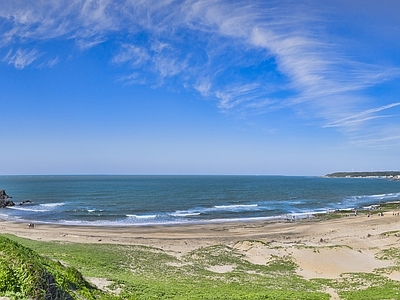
(236, 207)
(185, 214)
(52, 204)
(151, 220)
(142, 216)
(116, 223)
(384, 196)
(130, 221)
(32, 209)
(217, 208)
(44, 207)
(374, 198)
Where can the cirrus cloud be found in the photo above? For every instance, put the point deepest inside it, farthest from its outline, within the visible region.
(243, 55)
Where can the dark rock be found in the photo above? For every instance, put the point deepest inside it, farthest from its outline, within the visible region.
(4, 203)
(25, 202)
(3, 195)
(3, 199)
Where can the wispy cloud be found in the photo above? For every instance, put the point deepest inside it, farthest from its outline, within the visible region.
(134, 78)
(382, 141)
(237, 95)
(245, 55)
(21, 58)
(85, 44)
(134, 55)
(363, 116)
(49, 63)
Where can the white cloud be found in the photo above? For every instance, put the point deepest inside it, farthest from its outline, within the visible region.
(234, 96)
(203, 86)
(363, 116)
(49, 63)
(85, 44)
(212, 46)
(131, 54)
(379, 141)
(168, 66)
(21, 58)
(134, 78)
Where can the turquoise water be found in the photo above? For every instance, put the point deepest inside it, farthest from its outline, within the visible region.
(147, 200)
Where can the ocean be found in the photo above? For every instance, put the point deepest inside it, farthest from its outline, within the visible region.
(164, 200)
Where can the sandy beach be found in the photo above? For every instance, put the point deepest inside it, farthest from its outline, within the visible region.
(346, 244)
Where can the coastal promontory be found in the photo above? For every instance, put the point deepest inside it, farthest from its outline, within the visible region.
(395, 175)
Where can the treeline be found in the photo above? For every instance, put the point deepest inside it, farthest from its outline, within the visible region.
(364, 174)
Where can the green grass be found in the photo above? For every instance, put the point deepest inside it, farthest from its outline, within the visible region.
(355, 286)
(337, 214)
(149, 273)
(390, 205)
(26, 275)
(140, 272)
(389, 254)
(376, 285)
(389, 233)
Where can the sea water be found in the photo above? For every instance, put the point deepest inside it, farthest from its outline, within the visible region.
(163, 200)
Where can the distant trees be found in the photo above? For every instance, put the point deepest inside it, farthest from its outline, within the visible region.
(385, 174)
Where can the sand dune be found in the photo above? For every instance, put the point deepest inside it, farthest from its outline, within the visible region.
(322, 249)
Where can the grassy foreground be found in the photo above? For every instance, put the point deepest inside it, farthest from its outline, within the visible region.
(54, 270)
(25, 274)
(137, 272)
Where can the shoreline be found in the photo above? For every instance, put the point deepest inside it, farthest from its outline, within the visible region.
(274, 218)
(230, 230)
(294, 216)
(322, 247)
(262, 200)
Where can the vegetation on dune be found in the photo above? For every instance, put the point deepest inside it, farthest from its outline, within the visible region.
(25, 274)
(364, 174)
(355, 286)
(337, 214)
(139, 272)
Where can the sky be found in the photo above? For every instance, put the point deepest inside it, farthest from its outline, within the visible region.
(199, 86)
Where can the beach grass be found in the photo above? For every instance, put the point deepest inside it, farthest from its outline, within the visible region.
(355, 286)
(24, 274)
(216, 271)
(138, 272)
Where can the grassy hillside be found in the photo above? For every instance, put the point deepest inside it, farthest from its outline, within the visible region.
(25, 274)
(138, 272)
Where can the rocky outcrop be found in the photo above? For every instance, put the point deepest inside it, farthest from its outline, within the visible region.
(4, 199)
(23, 203)
(3, 195)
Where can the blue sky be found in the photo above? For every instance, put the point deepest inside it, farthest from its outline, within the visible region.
(199, 87)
